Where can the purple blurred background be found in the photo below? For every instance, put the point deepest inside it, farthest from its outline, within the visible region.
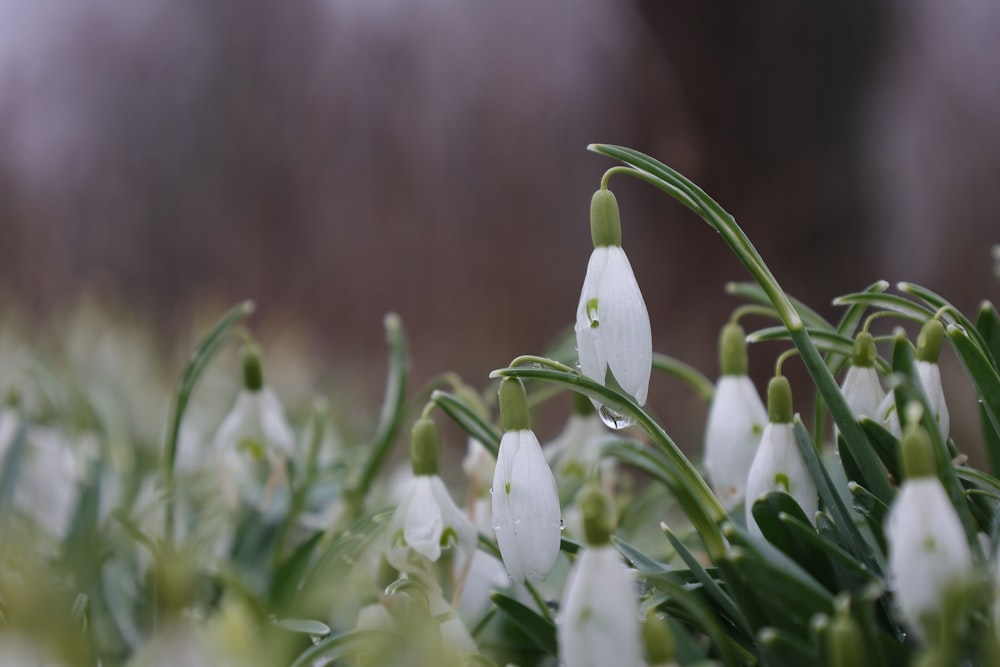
(337, 159)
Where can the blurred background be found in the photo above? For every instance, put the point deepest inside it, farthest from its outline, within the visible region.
(338, 159)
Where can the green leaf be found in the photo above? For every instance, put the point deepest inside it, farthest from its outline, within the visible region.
(676, 598)
(303, 626)
(892, 302)
(939, 303)
(467, 418)
(540, 630)
(341, 646)
(830, 495)
(769, 511)
(984, 377)
(786, 648)
(886, 445)
(196, 365)
(392, 408)
(850, 572)
(988, 325)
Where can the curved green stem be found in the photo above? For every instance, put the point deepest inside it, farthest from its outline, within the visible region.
(670, 181)
(540, 361)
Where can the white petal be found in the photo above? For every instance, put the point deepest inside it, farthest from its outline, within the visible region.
(525, 507)
(736, 421)
(928, 551)
(930, 377)
(617, 334)
(862, 391)
(598, 621)
(278, 434)
(779, 460)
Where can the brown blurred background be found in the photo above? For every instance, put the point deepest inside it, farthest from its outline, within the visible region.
(338, 159)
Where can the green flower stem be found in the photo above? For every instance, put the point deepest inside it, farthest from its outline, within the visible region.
(202, 355)
(540, 361)
(694, 495)
(668, 180)
(686, 373)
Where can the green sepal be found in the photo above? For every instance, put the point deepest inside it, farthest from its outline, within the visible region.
(253, 372)
(425, 447)
(605, 220)
(732, 350)
(513, 405)
(779, 400)
(929, 341)
(598, 515)
(865, 353)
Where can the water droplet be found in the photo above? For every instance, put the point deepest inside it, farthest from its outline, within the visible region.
(517, 520)
(315, 639)
(613, 419)
(272, 619)
(496, 525)
(491, 490)
(562, 525)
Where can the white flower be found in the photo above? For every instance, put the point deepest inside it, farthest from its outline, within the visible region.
(928, 551)
(426, 521)
(862, 391)
(612, 324)
(736, 421)
(598, 621)
(779, 466)
(454, 635)
(930, 379)
(479, 464)
(525, 507)
(252, 443)
(577, 447)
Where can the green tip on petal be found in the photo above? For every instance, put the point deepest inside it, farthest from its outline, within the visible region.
(918, 453)
(733, 350)
(929, 341)
(605, 221)
(513, 405)
(253, 372)
(659, 640)
(598, 518)
(425, 447)
(779, 400)
(865, 354)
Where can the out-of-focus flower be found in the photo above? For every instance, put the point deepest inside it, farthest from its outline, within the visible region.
(612, 325)
(736, 419)
(427, 520)
(254, 440)
(577, 449)
(598, 620)
(526, 513)
(778, 465)
(928, 551)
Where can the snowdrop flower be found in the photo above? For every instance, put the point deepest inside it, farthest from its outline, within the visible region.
(928, 550)
(926, 364)
(525, 500)
(478, 465)
(862, 389)
(254, 440)
(577, 449)
(599, 613)
(427, 519)
(778, 465)
(612, 325)
(736, 420)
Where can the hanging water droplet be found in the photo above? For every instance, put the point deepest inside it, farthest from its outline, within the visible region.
(562, 525)
(315, 639)
(491, 490)
(613, 419)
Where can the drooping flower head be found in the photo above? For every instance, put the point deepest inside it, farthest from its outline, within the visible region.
(736, 420)
(254, 440)
(612, 325)
(599, 614)
(778, 465)
(427, 520)
(526, 513)
(862, 389)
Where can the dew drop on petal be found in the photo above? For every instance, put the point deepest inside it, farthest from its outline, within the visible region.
(562, 525)
(491, 490)
(613, 419)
